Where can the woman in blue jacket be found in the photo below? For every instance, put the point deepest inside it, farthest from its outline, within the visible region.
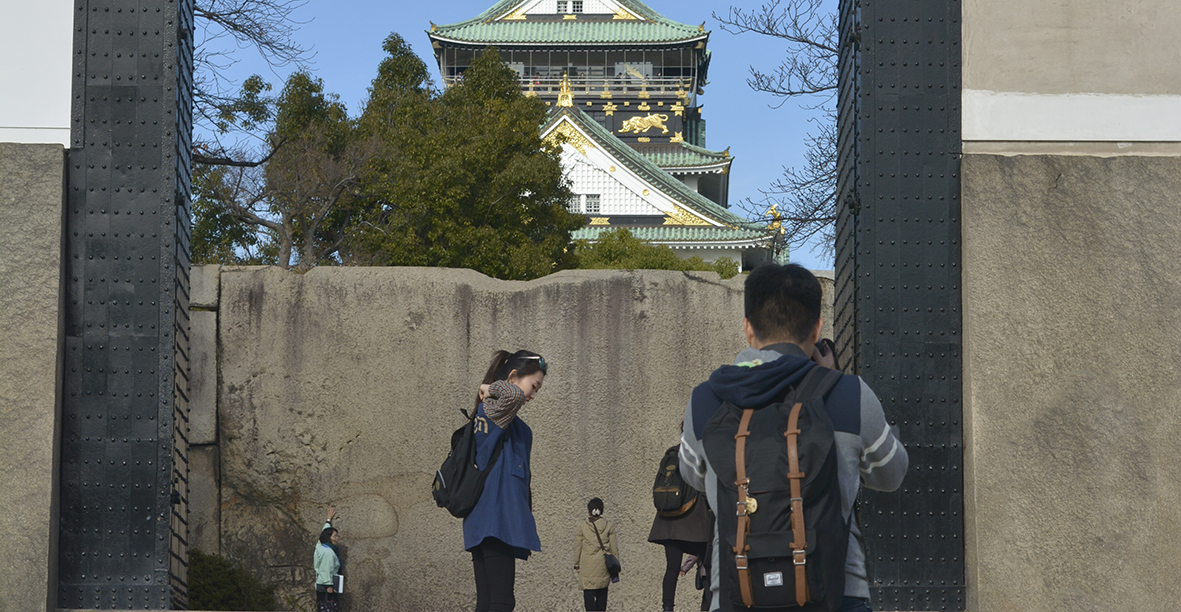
(501, 529)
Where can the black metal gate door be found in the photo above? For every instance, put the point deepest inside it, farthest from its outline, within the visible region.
(124, 474)
(898, 317)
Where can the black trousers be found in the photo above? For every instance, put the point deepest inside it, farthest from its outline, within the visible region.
(326, 601)
(495, 567)
(673, 556)
(595, 599)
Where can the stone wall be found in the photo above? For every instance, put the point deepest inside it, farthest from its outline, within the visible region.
(31, 196)
(1072, 389)
(342, 386)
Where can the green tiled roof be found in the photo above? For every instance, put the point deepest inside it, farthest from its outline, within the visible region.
(485, 29)
(649, 171)
(678, 234)
(683, 155)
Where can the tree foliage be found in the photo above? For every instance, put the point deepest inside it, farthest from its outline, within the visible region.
(465, 179)
(803, 200)
(216, 583)
(459, 178)
(618, 249)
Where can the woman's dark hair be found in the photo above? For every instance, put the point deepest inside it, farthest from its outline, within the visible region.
(326, 535)
(504, 362)
(595, 504)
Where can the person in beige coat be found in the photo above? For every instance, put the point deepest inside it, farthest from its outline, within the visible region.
(595, 538)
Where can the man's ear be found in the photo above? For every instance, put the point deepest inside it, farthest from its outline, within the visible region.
(751, 338)
(816, 332)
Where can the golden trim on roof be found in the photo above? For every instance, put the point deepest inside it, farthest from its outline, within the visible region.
(677, 137)
(622, 14)
(573, 137)
(517, 15)
(600, 221)
(680, 216)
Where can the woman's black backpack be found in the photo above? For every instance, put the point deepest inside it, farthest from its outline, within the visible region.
(670, 494)
(458, 482)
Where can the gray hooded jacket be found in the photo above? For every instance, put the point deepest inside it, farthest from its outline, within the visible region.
(867, 450)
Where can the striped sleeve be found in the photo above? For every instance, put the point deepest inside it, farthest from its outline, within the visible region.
(502, 402)
(883, 458)
(692, 454)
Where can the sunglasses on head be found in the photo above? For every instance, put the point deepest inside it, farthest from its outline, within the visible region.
(540, 362)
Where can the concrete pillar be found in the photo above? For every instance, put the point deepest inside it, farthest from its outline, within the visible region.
(31, 196)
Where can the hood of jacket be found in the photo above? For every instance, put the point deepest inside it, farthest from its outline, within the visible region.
(760, 376)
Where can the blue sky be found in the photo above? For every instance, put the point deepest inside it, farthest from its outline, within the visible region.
(346, 38)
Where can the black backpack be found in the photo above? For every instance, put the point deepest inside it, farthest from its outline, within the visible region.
(670, 494)
(765, 562)
(458, 482)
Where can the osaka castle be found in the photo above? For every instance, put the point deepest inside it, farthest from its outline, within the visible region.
(622, 83)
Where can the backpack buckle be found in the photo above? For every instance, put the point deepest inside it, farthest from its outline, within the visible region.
(741, 508)
(798, 557)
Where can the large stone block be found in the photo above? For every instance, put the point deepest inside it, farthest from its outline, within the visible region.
(342, 386)
(205, 499)
(1072, 389)
(31, 201)
(202, 377)
(204, 286)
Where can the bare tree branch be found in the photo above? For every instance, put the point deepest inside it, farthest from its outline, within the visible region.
(802, 202)
(225, 29)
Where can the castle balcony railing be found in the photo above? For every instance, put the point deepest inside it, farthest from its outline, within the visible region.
(595, 86)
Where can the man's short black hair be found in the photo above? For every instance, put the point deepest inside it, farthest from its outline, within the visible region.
(782, 302)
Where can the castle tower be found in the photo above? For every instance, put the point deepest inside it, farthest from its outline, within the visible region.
(622, 83)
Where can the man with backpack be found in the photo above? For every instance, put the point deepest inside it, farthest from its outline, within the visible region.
(780, 444)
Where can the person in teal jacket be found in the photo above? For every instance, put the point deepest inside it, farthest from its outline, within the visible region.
(500, 528)
(326, 561)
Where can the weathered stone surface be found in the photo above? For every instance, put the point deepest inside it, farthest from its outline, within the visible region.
(30, 262)
(1072, 390)
(204, 286)
(204, 499)
(826, 306)
(202, 377)
(342, 386)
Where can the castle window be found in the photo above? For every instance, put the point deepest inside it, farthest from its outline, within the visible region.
(592, 204)
(576, 6)
(562, 5)
(574, 204)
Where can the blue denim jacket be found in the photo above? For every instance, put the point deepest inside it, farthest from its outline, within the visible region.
(503, 511)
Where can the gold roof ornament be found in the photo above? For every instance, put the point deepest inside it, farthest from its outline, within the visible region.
(565, 96)
(726, 153)
(777, 224)
(677, 137)
(638, 125)
(434, 28)
(609, 108)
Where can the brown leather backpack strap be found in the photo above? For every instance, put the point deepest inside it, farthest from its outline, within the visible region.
(743, 484)
(795, 477)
